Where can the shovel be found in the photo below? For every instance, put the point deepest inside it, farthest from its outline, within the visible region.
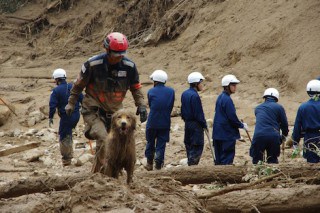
(211, 144)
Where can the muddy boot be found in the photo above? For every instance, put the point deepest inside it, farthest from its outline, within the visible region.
(158, 166)
(66, 162)
(66, 150)
(149, 165)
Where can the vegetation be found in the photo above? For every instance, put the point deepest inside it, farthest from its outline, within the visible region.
(10, 6)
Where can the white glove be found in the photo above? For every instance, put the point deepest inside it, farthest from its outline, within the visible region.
(245, 126)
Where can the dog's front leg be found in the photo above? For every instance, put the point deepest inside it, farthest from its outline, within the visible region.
(99, 160)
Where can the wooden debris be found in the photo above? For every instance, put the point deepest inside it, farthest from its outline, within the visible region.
(19, 148)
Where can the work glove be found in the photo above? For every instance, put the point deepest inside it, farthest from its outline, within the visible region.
(245, 126)
(289, 142)
(69, 109)
(50, 122)
(142, 111)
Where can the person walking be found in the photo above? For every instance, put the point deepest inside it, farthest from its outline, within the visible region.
(161, 100)
(58, 100)
(307, 124)
(106, 79)
(270, 119)
(226, 123)
(193, 116)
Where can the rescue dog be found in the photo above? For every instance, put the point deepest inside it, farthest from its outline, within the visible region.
(120, 150)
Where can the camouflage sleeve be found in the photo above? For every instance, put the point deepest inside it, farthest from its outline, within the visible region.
(80, 83)
(135, 88)
(138, 97)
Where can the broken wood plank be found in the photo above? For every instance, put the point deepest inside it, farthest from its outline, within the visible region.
(19, 148)
(16, 170)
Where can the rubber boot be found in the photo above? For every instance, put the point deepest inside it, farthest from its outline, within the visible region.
(66, 150)
(149, 165)
(158, 166)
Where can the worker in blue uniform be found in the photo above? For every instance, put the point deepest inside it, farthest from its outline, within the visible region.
(160, 100)
(307, 124)
(193, 116)
(58, 100)
(226, 123)
(270, 119)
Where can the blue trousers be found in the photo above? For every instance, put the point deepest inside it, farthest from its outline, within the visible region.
(224, 151)
(193, 141)
(260, 144)
(311, 144)
(156, 145)
(67, 123)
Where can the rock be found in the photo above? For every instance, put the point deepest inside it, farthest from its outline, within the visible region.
(31, 132)
(175, 128)
(4, 114)
(39, 116)
(16, 132)
(184, 162)
(33, 155)
(31, 122)
(45, 109)
(83, 159)
(209, 123)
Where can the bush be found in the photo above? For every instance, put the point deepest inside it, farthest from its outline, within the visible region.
(10, 6)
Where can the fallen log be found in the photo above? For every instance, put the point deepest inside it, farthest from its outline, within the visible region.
(201, 174)
(19, 148)
(228, 174)
(298, 199)
(40, 185)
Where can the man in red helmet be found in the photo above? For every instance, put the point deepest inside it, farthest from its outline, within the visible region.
(106, 78)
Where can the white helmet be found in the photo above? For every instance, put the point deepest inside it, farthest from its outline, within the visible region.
(313, 87)
(229, 79)
(271, 92)
(159, 75)
(195, 77)
(59, 73)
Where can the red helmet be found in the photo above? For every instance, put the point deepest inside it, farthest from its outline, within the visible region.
(116, 42)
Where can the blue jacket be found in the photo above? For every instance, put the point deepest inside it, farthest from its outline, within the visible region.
(191, 107)
(226, 123)
(307, 120)
(160, 99)
(59, 99)
(270, 118)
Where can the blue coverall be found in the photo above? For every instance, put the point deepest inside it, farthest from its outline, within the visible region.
(225, 129)
(193, 116)
(161, 100)
(59, 99)
(308, 121)
(270, 118)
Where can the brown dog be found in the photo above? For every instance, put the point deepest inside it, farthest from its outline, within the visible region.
(120, 150)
